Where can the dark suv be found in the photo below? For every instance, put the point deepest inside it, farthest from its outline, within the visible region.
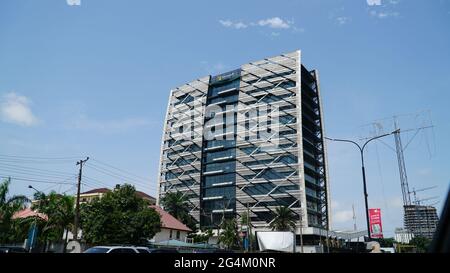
(12, 249)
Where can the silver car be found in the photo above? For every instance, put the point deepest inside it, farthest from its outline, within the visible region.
(117, 249)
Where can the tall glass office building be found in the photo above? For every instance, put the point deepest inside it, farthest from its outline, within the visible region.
(249, 140)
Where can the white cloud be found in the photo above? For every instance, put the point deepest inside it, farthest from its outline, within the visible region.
(343, 216)
(373, 2)
(339, 17)
(226, 23)
(16, 109)
(236, 25)
(385, 10)
(384, 14)
(73, 2)
(296, 29)
(275, 22)
(342, 20)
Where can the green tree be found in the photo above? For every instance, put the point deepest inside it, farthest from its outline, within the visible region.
(202, 237)
(60, 210)
(421, 243)
(119, 217)
(244, 219)
(229, 235)
(284, 220)
(175, 204)
(19, 229)
(386, 242)
(9, 206)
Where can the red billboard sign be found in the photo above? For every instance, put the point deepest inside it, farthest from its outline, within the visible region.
(376, 228)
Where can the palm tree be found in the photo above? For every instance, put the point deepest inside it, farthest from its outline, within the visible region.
(284, 219)
(229, 235)
(8, 206)
(60, 212)
(175, 204)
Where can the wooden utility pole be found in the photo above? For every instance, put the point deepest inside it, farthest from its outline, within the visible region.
(77, 208)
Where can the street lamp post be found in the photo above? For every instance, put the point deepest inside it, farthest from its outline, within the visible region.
(35, 220)
(361, 149)
(301, 230)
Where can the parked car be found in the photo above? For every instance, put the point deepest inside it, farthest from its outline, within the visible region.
(128, 249)
(163, 250)
(212, 250)
(112, 249)
(220, 250)
(201, 250)
(12, 249)
(143, 249)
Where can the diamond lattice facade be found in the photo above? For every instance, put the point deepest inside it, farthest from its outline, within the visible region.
(249, 140)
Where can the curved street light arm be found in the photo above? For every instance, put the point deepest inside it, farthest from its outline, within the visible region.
(377, 137)
(361, 149)
(344, 140)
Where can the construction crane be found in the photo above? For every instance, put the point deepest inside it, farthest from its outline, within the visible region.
(426, 199)
(402, 167)
(400, 148)
(434, 204)
(401, 159)
(414, 191)
(413, 218)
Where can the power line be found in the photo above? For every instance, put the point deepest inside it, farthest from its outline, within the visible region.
(118, 174)
(95, 182)
(26, 161)
(90, 186)
(48, 188)
(137, 176)
(142, 181)
(17, 167)
(33, 180)
(98, 182)
(35, 169)
(33, 173)
(120, 177)
(40, 158)
(71, 188)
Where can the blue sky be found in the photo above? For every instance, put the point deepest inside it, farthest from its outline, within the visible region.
(94, 79)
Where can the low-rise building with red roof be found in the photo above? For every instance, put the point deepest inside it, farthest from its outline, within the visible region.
(28, 212)
(171, 227)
